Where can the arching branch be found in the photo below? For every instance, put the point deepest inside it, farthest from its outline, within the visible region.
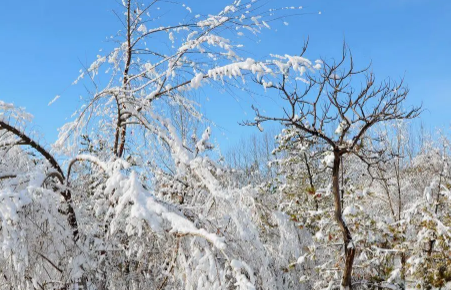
(86, 158)
(58, 173)
(28, 141)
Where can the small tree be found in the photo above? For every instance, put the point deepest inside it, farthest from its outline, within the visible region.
(331, 98)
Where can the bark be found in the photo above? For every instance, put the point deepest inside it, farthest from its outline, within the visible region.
(310, 178)
(121, 128)
(403, 269)
(347, 238)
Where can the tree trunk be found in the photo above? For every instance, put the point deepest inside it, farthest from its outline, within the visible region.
(347, 238)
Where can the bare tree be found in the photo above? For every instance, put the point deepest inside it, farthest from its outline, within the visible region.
(330, 98)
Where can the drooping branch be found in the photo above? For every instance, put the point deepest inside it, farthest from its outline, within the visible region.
(28, 141)
(58, 172)
(84, 158)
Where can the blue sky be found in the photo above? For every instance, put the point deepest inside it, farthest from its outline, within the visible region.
(44, 41)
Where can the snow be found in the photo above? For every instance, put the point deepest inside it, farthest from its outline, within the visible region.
(54, 100)
(341, 127)
(350, 210)
(146, 208)
(428, 194)
(212, 21)
(394, 275)
(142, 28)
(319, 236)
(94, 67)
(203, 144)
(242, 282)
(10, 112)
(230, 8)
(301, 259)
(233, 70)
(328, 159)
(97, 161)
(196, 81)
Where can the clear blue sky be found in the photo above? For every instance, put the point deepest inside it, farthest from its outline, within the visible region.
(43, 42)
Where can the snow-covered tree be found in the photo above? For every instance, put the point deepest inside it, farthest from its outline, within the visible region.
(315, 103)
(134, 195)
